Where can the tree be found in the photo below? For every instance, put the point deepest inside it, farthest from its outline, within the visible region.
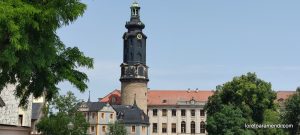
(250, 96)
(56, 123)
(231, 119)
(292, 112)
(117, 128)
(32, 56)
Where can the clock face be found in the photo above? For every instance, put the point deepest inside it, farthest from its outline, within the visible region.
(139, 36)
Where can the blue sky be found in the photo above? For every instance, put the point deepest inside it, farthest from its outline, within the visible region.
(191, 43)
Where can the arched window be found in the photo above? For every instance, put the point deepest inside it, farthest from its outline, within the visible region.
(183, 128)
(193, 127)
(202, 127)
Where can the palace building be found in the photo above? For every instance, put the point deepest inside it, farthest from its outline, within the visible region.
(165, 112)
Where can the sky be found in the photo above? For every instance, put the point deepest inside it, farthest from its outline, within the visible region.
(191, 43)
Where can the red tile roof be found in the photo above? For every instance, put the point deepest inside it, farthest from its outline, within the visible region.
(171, 97)
(116, 93)
(283, 95)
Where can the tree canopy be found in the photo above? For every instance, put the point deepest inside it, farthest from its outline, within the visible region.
(32, 56)
(291, 113)
(244, 100)
(117, 128)
(56, 123)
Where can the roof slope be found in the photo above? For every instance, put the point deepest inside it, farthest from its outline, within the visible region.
(131, 114)
(171, 97)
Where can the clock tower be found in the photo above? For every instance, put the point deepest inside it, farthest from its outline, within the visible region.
(134, 71)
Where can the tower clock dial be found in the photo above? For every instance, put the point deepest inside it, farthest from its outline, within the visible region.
(139, 36)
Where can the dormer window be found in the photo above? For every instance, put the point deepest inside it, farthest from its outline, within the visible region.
(164, 101)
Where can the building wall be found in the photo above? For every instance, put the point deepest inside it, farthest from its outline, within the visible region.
(138, 129)
(135, 91)
(9, 114)
(169, 119)
(14, 130)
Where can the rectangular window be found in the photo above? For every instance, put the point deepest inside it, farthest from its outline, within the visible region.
(111, 116)
(93, 115)
(92, 128)
(102, 115)
(154, 112)
(154, 127)
(173, 127)
(164, 112)
(202, 113)
(143, 129)
(133, 129)
(20, 120)
(173, 112)
(192, 112)
(103, 129)
(182, 112)
(164, 128)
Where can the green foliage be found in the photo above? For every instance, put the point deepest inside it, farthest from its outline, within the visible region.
(31, 54)
(227, 121)
(117, 129)
(292, 112)
(244, 100)
(57, 123)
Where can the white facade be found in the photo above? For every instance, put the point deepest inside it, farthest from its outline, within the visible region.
(170, 123)
(11, 113)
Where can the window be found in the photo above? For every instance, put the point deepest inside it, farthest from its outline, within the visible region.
(113, 99)
(202, 113)
(133, 129)
(103, 129)
(111, 116)
(154, 112)
(102, 115)
(173, 112)
(193, 127)
(164, 101)
(183, 127)
(192, 112)
(93, 115)
(154, 127)
(182, 112)
(202, 127)
(164, 128)
(20, 120)
(143, 129)
(173, 127)
(164, 112)
(92, 128)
